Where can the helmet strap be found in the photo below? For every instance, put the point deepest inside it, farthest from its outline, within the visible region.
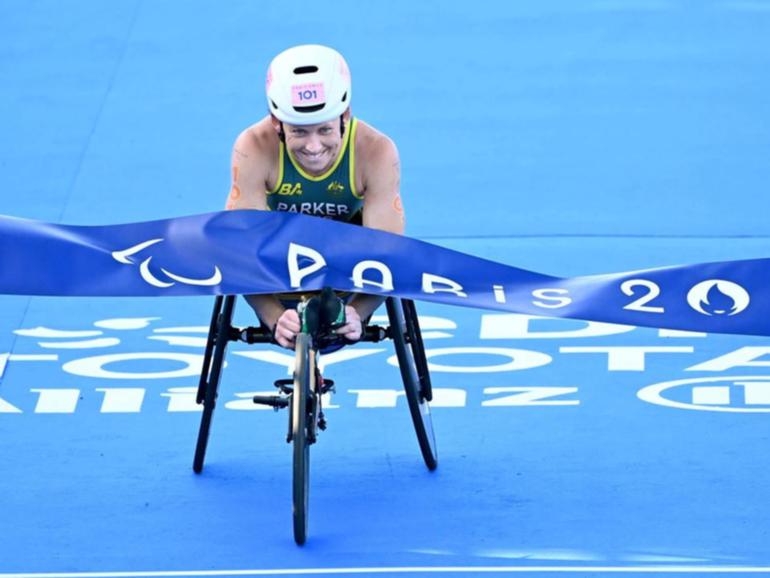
(342, 126)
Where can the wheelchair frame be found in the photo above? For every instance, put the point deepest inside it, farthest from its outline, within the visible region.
(302, 394)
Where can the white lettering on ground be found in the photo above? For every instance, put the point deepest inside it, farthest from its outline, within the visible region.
(744, 357)
(428, 325)
(182, 399)
(287, 360)
(56, 400)
(626, 358)
(527, 396)
(6, 407)
(517, 326)
(121, 400)
(95, 366)
(743, 394)
(518, 359)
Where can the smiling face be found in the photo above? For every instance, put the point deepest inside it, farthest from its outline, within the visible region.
(314, 147)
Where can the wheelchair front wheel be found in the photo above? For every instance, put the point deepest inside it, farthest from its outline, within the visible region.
(419, 407)
(302, 416)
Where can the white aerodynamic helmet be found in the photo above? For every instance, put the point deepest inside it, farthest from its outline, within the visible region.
(308, 84)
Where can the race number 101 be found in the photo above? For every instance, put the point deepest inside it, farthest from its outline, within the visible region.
(307, 94)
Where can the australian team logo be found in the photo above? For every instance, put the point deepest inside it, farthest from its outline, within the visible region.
(335, 187)
(718, 297)
(126, 257)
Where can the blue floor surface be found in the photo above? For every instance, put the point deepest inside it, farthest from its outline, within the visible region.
(570, 138)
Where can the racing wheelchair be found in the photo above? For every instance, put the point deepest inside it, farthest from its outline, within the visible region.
(302, 394)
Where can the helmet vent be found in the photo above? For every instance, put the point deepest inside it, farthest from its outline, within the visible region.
(275, 106)
(314, 108)
(344, 97)
(305, 69)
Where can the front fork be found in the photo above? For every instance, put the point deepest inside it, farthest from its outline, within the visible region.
(315, 416)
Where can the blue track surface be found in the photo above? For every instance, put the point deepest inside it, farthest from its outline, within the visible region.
(566, 137)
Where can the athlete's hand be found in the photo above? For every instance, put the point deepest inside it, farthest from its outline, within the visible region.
(286, 328)
(353, 325)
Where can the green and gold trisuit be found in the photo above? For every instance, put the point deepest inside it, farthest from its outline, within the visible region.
(332, 195)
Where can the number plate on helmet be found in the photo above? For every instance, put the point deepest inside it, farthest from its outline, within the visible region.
(307, 94)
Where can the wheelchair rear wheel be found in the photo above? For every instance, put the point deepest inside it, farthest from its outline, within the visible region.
(414, 336)
(407, 352)
(212, 372)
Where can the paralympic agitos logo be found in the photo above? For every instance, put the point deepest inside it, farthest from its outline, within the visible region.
(125, 256)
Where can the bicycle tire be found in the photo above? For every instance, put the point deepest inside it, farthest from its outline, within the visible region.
(214, 374)
(419, 408)
(304, 374)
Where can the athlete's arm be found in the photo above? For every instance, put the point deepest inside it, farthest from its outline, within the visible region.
(249, 172)
(251, 164)
(382, 210)
(382, 186)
